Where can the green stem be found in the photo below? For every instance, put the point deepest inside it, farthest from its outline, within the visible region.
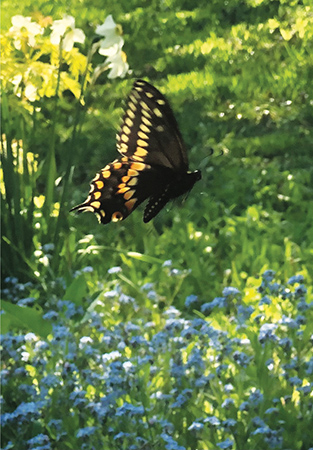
(63, 201)
(50, 161)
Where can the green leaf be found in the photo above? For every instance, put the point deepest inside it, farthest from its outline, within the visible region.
(23, 319)
(76, 291)
(145, 258)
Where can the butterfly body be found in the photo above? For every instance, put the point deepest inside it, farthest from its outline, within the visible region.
(153, 165)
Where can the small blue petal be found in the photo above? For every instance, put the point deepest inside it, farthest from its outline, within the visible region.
(190, 300)
(228, 291)
(225, 445)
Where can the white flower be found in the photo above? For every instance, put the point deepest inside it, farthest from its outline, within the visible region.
(108, 27)
(65, 28)
(118, 65)
(113, 41)
(111, 45)
(23, 27)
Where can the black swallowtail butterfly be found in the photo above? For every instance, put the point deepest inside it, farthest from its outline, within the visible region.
(153, 165)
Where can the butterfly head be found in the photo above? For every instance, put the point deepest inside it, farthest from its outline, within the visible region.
(187, 181)
(196, 175)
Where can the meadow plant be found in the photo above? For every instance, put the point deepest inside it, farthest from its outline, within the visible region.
(42, 72)
(236, 379)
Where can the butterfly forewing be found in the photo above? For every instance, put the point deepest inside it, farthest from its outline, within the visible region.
(149, 131)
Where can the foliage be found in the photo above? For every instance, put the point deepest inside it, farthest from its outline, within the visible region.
(141, 337)
(122, 374)
(41, 62)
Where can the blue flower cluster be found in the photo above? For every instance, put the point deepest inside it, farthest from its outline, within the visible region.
(164, 380)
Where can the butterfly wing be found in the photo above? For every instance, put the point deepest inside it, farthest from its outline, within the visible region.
(122, 186)
(153, 165)
(115, 191)
(149, 130)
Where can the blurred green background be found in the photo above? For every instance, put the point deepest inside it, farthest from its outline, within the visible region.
(238, 76)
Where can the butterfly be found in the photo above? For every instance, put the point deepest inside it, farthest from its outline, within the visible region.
(153, 163)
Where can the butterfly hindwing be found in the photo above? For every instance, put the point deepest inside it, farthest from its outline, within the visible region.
(116, 190)
(149, 130)
(123, 185)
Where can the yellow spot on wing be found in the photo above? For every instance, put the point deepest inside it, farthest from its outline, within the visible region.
(137, 158)
(132, 106)
(140, 151)
(125, 179)
(138, 166)
(146, 113)
(142, 135)
(97, 195)
(144, 128)
(126, 130)
(124, 138)
(130, 114)
(106, 173)
(116, 216)
(123, 147)
(144, 106)
(122, 190)
(117, 165)
(88, 208)
(146, 121)
(99, 184)
(132, 172)
(129, 194)
(142, 143)
(130, 204)
(97, 176)
(160, 101)
(148, 94)
(129, 122)
(157, 112)
(95, 205)
(133, 181)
